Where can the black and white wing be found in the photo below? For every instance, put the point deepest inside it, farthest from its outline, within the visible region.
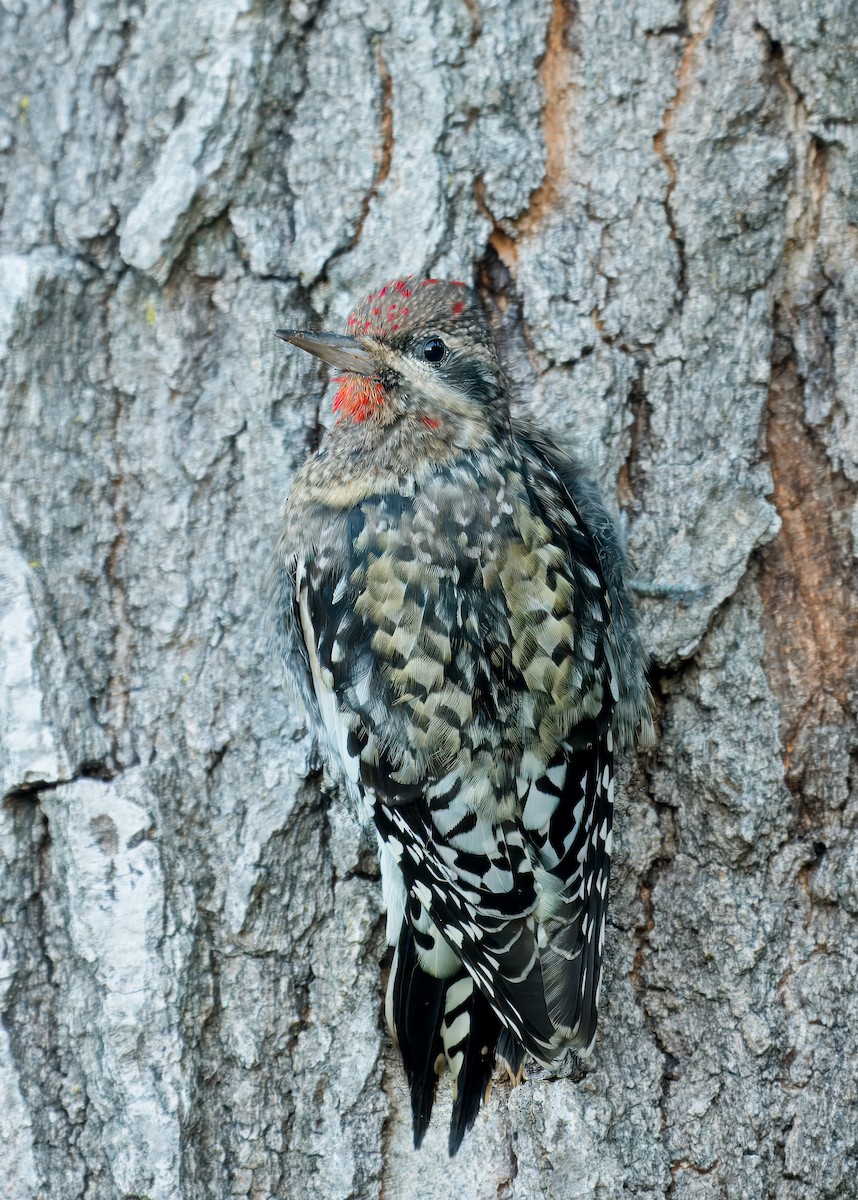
(457, 665)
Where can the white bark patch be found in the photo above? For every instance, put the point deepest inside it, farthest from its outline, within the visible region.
(125, 976)
(28, 751)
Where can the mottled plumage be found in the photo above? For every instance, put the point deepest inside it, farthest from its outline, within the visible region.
(448, 597)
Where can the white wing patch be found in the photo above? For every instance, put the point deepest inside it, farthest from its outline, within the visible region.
(393, 891)
(335, 727)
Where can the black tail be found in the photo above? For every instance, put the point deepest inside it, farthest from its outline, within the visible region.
(440, 1022)
(417, 1012)
(477, 1046)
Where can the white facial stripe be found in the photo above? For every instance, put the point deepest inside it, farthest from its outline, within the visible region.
(427, 381)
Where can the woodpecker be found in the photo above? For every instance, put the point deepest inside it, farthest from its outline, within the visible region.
(447, 594)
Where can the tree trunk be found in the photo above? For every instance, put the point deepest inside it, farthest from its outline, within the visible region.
(658, 203)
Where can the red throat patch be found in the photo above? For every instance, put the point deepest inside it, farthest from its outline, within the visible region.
(357, 396)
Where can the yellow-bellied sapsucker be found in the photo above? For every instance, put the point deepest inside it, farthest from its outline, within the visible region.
(448, 595)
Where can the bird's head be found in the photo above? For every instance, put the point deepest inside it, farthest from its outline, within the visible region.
(413, 348)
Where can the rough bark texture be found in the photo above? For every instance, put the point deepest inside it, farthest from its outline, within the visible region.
(660, 203)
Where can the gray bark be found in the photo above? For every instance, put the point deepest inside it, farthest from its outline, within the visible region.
(659, 202)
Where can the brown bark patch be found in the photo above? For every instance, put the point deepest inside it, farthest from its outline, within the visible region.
(555, 77)
(806, 579)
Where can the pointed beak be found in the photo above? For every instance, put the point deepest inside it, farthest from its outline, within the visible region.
(336, 349)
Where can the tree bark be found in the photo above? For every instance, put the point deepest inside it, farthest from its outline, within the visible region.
(658, 203)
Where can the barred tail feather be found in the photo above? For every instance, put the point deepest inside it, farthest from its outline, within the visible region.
(441, 1023)
(415, 1011)
(469, 1033)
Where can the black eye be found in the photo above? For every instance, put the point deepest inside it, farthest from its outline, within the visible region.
(434, 350)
